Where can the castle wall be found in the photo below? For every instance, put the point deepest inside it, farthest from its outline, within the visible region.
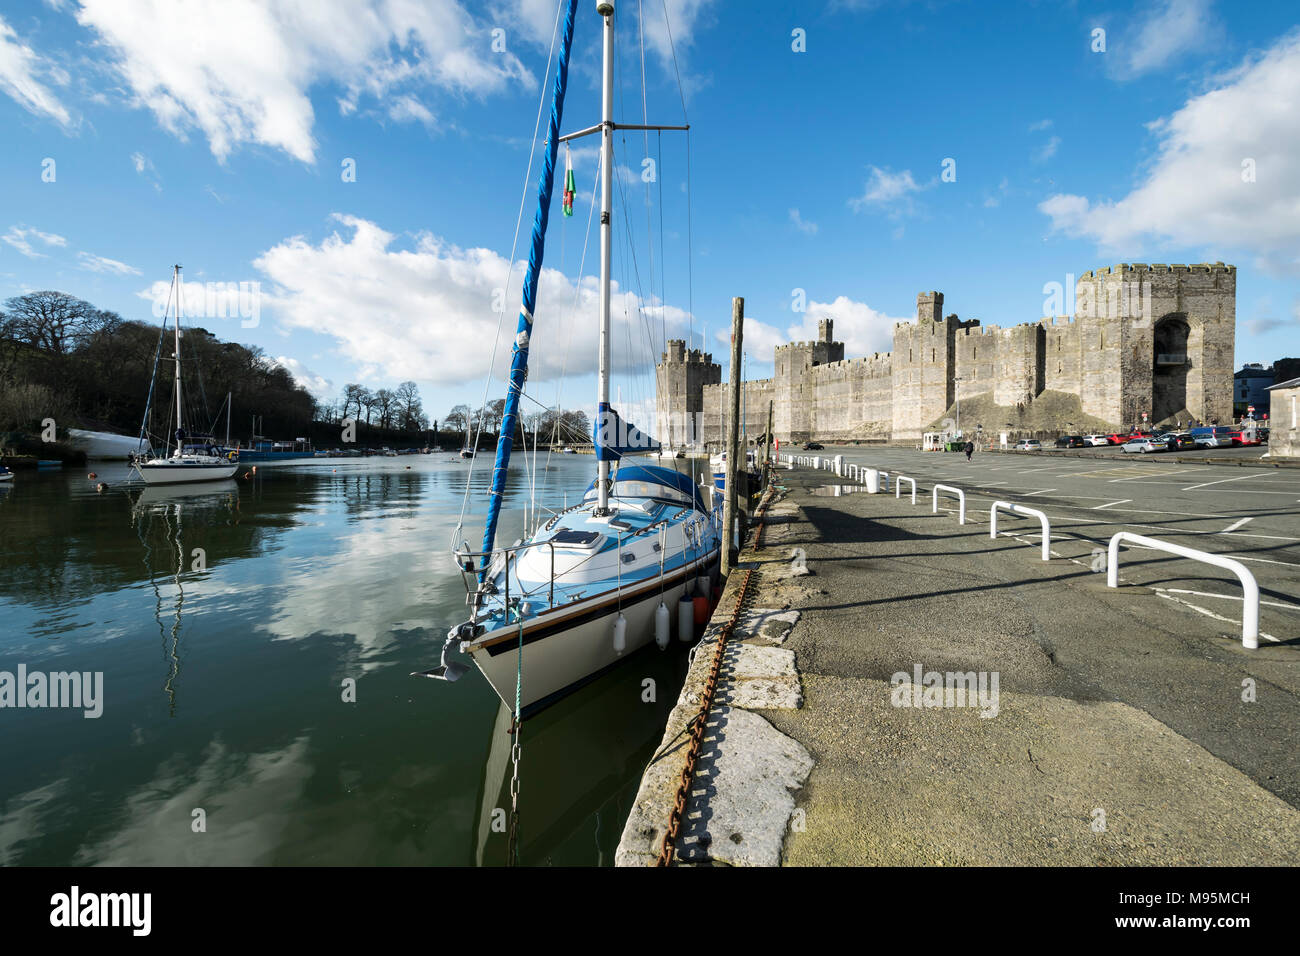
(1062, 357)
(1144, 338)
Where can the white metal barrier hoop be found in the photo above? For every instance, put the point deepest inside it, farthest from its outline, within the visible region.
(961, 501)
(1250, 590)
(898, 486)
(1021, 509)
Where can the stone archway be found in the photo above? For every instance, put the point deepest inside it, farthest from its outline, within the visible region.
(1170, 364)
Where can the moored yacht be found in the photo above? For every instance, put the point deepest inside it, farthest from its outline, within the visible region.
(188, 462)
(596, 580)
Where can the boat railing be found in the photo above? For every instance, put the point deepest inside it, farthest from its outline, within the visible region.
(464, 561)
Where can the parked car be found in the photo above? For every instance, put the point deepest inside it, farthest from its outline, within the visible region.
(1029, 444)
(1216, 436)
(1144, 444)
(1070, 441)
(1096, 440)
(812, 446)
(1181, 440)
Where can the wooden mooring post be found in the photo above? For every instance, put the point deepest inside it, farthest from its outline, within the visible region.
(732, 469)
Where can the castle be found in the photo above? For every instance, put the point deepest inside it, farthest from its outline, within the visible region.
(1153, 340)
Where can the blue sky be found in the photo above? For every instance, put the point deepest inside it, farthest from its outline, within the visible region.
(216, 135)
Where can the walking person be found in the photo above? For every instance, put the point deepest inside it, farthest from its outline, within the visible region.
(969, 449)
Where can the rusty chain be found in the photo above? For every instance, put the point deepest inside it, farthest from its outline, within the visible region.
(700, 721)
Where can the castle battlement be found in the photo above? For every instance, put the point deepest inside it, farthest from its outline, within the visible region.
(1160, 268)
(678, 354)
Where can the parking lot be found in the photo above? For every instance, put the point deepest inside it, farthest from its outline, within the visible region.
(1247, 513)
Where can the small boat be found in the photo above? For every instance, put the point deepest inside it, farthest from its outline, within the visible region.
(188, 462)
(6, 474)
(568, 451)
(718, 464)
(467, 453)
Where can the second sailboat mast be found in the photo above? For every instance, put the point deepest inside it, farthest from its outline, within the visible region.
(176, 338)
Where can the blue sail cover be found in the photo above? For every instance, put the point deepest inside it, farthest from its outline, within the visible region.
(614, 438)
(523, 334)
(657, 475)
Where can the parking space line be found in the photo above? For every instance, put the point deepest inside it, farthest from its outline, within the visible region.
(1221, 481)
(1122, 501)
(1208, 613)
(1043, 492)
(1271, 537)
(1235, 525)
(1231, 597)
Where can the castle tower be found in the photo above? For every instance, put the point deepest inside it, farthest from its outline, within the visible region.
(793, 385)
(923, 367)
(1158, 339)
(679, 392)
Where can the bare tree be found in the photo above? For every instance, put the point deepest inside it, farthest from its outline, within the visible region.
(411, 409)
(385, 402)
(53, 321)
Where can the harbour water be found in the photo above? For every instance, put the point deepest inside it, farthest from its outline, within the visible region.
(226, 622)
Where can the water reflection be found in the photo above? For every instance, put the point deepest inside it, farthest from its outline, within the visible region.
(225, 618)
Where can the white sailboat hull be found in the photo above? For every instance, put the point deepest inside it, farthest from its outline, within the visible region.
(578, 641)
(168, 473)
(104, 445)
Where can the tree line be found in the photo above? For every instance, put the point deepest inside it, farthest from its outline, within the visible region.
(62, 357)
(550, 425)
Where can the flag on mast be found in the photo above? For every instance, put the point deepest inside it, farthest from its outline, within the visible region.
(569, 189)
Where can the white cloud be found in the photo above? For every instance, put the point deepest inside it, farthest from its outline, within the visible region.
(885, 188)
(407, 108)
(20, 237)
(426, 313)
(1047, 150)
(240, 71)
(1168, 31)
(799, 223)
(1194, 192)
(320, 386)
(1040, 125)
(862, 329)
(95, 263)
(20, 71)
(144, 166)
(683, 18)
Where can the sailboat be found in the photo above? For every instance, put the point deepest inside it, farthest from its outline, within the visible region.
(187, 463)
(596, 580)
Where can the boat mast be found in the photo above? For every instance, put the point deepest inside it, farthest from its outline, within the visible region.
(606, 9)
(176, 273)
